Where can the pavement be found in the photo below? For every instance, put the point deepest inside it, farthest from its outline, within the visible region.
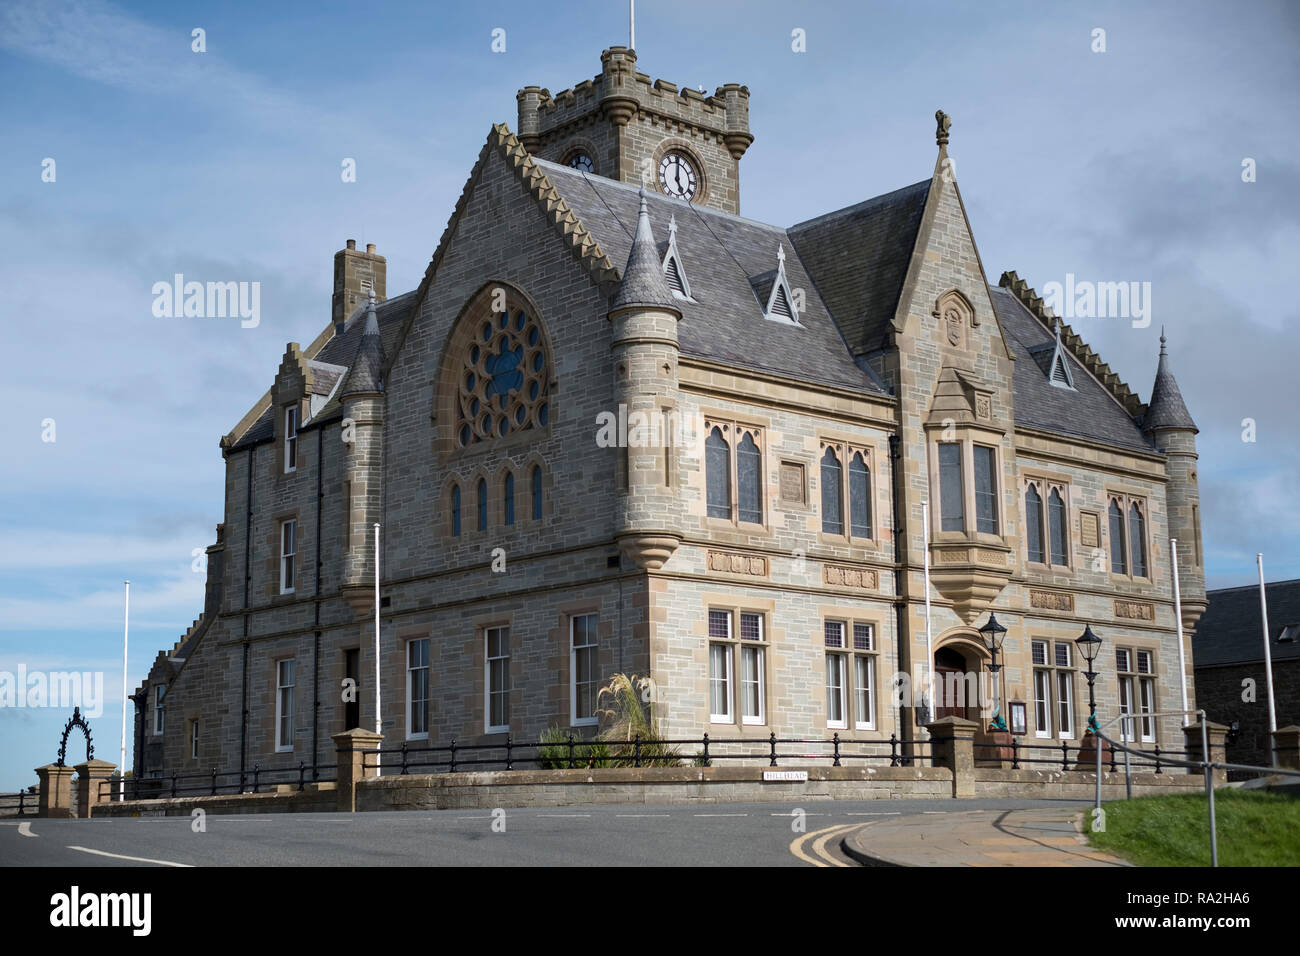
(1050, 836)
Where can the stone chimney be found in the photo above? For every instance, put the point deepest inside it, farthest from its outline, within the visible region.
(354, 274)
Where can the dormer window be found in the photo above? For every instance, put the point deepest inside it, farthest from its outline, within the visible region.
(781, 304)
(290, 439)
(1058, 370)
(673, 270)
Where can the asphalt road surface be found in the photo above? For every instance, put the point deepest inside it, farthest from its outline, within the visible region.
(739, 834)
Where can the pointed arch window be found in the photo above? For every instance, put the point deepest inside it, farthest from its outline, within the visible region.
(1137, 539)
(832, 493)
(1118, 548)
(749, 483)
(859, 497)
(455, 511)
(508, 498)
(1034, 524)
(482, 504)
(537, 492)
(1057, 527)
(717, 466)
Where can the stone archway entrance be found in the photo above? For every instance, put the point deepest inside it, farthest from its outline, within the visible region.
(959, 691)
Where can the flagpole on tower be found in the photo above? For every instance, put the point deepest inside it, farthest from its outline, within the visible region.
(631, 18)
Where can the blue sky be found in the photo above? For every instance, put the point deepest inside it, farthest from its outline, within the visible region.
(1122, 165)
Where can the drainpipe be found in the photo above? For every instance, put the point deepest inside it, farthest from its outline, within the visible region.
(248, 577)
(315, 648)
(900, 606)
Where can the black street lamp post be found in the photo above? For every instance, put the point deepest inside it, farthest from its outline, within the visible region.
(1089, 645)
(993, 633)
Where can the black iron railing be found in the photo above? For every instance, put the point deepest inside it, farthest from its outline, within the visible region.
(21, 803)
(1065, 756)
(214, 782)
(575, 752)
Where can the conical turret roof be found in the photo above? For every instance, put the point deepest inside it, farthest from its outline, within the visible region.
(643, 284)
(1167, 409)
(366, 375)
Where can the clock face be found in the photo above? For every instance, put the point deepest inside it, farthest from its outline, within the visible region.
(582, 161)
(677, 176)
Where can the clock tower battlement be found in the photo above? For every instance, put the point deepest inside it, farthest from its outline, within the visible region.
(627, 126)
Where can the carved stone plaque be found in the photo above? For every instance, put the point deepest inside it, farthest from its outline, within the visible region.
(1089, 529)
(983, 407)
(792, 486)
(1135, 611)
(952, 319)
(850, 577)
(733, 563)
(1051, 600)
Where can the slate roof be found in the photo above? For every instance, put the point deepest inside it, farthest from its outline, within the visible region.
(858, 258)
(1231, 630)
(1087, 412)
(1167, 409)
(366, 377)
(340, 351)
(324, 376)
(720, 252)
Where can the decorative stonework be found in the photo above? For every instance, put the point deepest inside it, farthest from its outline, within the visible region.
(953, 557)
(732, 563)
(985, 556)
(1051, 600)
(1135, 611)
(850, 577)
(1089, 529)
(984, 407)
(503, 378)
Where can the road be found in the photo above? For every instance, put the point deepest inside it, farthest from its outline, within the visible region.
(748, 834)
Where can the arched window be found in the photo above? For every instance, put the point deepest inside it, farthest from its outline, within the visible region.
(832, 494)
(1118, 561)
(859, 497)
(1056, 523)
(496, 374)
(1034, 524)
(537, 492)
(482, 504)
(508, 498)
(749, 483)
(455, 511)
(1137, 539)
(717, 467)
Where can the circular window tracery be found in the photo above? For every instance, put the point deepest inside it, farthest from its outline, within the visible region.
(503, 382)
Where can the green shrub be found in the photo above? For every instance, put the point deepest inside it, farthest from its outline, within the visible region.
(553, 752)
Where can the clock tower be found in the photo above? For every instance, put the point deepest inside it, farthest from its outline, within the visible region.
(623, 125)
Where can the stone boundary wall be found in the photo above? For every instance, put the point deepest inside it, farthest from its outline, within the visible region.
(315, 798)
(1080, 785)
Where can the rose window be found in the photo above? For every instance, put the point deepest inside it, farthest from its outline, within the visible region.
(503, 382)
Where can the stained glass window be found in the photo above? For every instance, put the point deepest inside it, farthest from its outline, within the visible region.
(952, 513)
(503, 382)
(1137, 539)
(1034, 524)
(717, 466)
(748, 481)
(1056, 521)
(859, 497)
(1118, 563)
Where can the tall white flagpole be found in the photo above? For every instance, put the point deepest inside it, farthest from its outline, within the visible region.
(1178, 619)
(126, 630)
(929, 651)
(1268, 666)
(379, 725)
(631, 29)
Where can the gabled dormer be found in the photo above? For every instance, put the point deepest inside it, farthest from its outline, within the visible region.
(773, 290)
(674, 270)
(1051, 358)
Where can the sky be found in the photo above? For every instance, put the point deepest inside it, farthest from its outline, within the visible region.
(1117, 165)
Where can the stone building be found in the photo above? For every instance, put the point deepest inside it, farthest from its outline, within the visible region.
(618, 427)
(1231, 683)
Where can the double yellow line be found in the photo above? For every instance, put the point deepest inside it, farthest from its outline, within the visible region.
(811, 847)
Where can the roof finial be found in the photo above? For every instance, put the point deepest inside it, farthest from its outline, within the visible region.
(943, 122)
(672, 226)
(1162, 341)
(780, 255)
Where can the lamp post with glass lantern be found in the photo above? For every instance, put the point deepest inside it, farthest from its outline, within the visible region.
(993, 634)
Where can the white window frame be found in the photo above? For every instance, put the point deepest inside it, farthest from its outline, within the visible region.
(724, 644)
(836, 660)
(411, 671)
(288, 665)
(288, 551)
(1055, 713)
(592, 648)
(159, 709)
(488, 726)
(755, 649)
(290, 439)
(1042, 702)
(869, 689)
